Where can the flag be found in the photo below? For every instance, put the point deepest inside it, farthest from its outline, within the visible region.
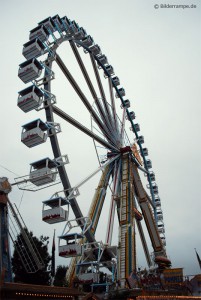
(198, 258)
(53, 257)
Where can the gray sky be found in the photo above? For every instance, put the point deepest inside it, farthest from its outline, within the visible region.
(156, 55)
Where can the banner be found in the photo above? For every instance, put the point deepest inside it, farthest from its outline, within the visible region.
(173, 276)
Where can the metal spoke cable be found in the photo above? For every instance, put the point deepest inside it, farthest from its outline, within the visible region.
(81, 95)
(103, 97)
(113, 107)
(90, 85)
(75, 123)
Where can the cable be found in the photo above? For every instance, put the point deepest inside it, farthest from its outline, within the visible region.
(9, 170)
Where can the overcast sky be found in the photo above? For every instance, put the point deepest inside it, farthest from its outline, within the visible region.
(156, 54)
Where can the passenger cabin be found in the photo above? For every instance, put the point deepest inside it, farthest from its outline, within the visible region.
(145, 151)
(137, 127)
(43, 172)
(121, 92)
(80, 34)
(155, 188)
(149, 163)
(116, 80)
(95, 49)
(141, 139)
(74, 28)
(72, 247)
(163, 240)
(66, 24)
(88, 278)
(33, 48)
(159, 215)
(132, 115)
(103, 59)
(161, 230)
(53, 210)
(30, 70)
(30, 98)
(88, 41)
(58, 22)
(152, 176)
(33, 133)
(48, 23)
(39, 32)
(88, 272)
(109, 70)
(126, 104)
(157, 201)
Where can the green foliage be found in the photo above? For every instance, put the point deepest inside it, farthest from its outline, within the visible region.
(60, 276)
(41, 277)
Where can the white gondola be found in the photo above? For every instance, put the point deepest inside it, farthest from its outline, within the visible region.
(65, 24)
(141, 139)
(149, 164)
(43, 172)
(54, 211)
(30, 70)
(80, 34)
(163, 240)
(39, 32)
(88, 41)
(33, 133)
(137, 127)
(161, 230)
(157, 201)
(109, 70)
(127, 105)
(145, 151)
(160, 215)
(33, 48)
(95, 49)
(71, 248)
(58, 22)
(72, 28)
(30, 98)
(116, 80)
(121, 92)
(152, 176)
(132, 115)
(88, 277)
(48, 23)
(155, 189)
(103, 59)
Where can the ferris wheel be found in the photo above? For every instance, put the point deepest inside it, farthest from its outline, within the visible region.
(121, 158)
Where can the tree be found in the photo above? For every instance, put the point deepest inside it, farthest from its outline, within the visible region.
(60, 276)
(41, 277)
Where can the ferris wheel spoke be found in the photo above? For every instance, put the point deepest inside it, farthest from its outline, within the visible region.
(89, 83)
(84, 129)
(103, 97)
(123, 126)
(113, 107)
(82, 96)
(108, 163)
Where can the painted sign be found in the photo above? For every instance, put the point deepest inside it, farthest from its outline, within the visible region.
(173, 276)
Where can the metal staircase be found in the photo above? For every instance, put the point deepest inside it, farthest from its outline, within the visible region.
(22, 240)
